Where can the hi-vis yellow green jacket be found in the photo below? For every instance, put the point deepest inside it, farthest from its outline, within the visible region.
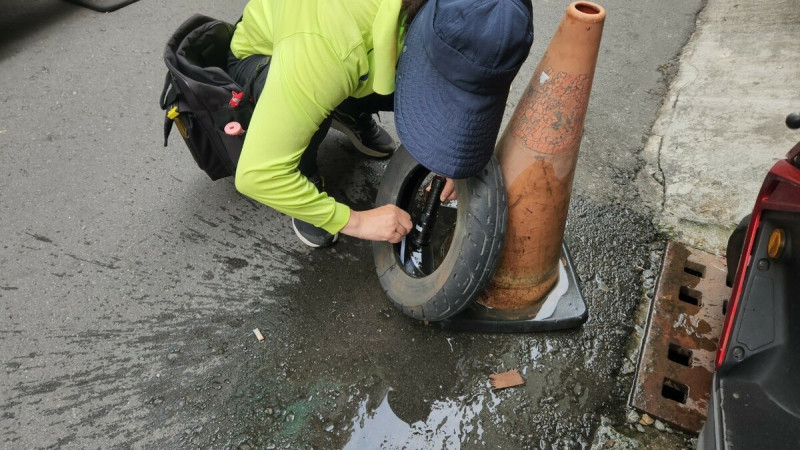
(323, 51)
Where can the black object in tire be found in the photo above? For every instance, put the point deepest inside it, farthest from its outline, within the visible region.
(469, 245)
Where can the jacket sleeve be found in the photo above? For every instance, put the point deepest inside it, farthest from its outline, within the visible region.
(306, 81)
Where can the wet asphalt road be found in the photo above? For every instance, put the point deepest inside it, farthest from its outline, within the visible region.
(130, 283)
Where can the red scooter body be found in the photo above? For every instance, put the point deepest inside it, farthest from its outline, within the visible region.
(755, 397)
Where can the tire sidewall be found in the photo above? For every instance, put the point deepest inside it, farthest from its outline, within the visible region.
(473, 253)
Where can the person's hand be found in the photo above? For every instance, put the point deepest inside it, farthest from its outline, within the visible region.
(384, 223)
(448, 192)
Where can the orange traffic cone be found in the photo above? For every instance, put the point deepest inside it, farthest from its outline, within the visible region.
(538, 152)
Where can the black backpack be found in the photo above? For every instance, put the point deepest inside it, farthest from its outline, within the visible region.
(201, 99)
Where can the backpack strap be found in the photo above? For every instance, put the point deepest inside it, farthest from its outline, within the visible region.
(169, 96)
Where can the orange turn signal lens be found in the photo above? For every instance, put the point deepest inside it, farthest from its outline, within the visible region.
(777, 242)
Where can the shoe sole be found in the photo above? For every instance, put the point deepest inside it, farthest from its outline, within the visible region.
(338, 126)
(309, 243)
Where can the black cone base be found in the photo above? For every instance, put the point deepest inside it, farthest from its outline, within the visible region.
(563, 308)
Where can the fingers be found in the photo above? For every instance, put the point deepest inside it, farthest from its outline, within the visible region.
(449, 191)
(404, 222)
(396, 238)
(385, 223)
(398, 223)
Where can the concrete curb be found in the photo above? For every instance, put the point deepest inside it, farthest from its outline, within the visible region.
(721, 126)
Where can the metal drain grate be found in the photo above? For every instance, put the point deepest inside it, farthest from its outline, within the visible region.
(676, 362)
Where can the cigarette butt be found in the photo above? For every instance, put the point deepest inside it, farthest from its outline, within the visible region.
(258, 334)
(506, 379)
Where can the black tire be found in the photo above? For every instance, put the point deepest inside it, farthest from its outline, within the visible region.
(470, 245)
(733, 251)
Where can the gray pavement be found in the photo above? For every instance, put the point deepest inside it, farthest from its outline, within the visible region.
(130, 283)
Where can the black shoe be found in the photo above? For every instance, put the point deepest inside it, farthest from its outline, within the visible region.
(313, 236)
(366, 135)
(309, 234)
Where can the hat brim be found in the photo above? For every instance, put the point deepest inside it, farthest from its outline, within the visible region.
(448, 130)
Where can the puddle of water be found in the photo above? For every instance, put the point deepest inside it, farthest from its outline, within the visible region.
(449, 424)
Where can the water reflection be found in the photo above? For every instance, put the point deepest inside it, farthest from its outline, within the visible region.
(449, 424)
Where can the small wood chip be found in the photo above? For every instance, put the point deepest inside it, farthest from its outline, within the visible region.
(506, 379)
(646, 420)
(258, 334)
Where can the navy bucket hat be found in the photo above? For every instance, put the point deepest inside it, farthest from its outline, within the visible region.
(453, 79)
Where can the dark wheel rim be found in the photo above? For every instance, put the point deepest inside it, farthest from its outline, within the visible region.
(411, 199)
